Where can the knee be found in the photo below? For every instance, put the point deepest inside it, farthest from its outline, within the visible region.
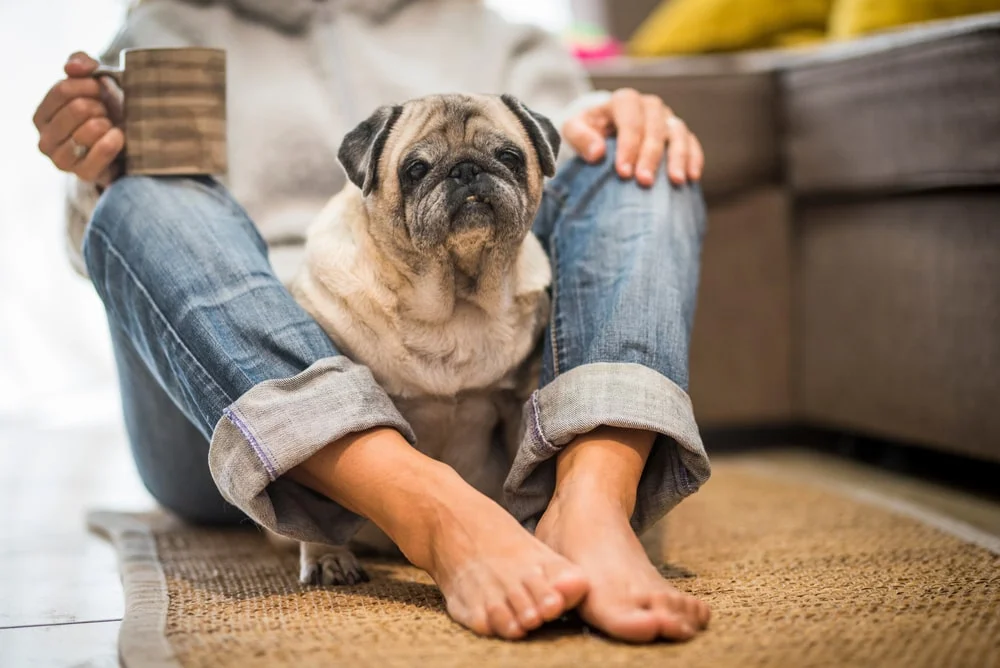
(121, 202)
(662, 208)
(123, 207)
(140, 216)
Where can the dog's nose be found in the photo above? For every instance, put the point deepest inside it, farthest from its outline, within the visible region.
(465, 172)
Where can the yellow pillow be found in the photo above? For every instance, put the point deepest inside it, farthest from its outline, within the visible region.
(798, 38)
(857, 17)
(699, 26)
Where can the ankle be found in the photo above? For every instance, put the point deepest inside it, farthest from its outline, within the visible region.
(590, 492)
(381, 477)
(603, 467)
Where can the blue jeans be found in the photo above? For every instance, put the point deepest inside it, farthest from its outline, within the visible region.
(227, 383)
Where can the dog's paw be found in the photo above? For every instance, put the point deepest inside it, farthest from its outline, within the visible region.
(326, 565)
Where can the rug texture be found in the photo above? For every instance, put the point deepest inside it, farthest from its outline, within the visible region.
(797, 574)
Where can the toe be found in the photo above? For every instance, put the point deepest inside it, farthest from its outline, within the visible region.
(703, 613)
(569, 580)
(630, 624)
(549, 602)
(523, 605)
(687, 607)
(502, 620)
(474, 620)
(674, 626)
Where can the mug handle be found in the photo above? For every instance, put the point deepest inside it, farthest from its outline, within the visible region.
(115, 74)
(112, 73)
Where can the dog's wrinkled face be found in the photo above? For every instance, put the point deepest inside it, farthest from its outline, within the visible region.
(447, 172)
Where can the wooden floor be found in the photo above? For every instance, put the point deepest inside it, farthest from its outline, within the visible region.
(60, 596)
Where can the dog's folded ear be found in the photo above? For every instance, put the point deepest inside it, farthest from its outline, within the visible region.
(362, 147)
(542, 133)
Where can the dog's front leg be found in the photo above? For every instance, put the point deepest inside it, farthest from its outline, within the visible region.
(329, 565)
(322, 564)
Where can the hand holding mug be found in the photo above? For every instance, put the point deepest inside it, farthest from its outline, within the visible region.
(163, 112)
(79, 122)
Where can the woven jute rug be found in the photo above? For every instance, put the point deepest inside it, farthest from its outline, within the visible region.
(797, 574)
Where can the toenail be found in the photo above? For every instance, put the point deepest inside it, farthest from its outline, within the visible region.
(513, 628)
(551, 601)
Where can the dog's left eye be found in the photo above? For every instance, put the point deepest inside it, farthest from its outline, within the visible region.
(511, 159)
(417, 170)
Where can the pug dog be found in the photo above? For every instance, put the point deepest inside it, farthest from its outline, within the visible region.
(424, 269)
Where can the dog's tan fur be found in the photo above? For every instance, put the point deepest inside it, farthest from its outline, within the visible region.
(449, 332)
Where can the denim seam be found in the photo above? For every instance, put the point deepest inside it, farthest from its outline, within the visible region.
(554, 315)
(536, 425)
(262, 454)
(156, 310)
(568, 215)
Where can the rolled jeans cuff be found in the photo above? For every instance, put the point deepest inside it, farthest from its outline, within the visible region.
(277, 425)
(615, 395)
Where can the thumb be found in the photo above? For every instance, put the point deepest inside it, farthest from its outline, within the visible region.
(585, 138)
(80, 65)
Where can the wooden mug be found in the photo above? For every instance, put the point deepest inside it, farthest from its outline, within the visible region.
(174, 110)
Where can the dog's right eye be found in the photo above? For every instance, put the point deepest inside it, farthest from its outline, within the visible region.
(417, 170)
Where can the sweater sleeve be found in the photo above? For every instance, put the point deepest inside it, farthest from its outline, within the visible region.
(153, 24)
(546, 77)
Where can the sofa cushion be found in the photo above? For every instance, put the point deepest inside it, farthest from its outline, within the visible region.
(730, 102)
(740, 348)
(897, 318)
(909, 110)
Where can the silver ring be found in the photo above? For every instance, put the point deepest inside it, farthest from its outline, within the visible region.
(79, 150)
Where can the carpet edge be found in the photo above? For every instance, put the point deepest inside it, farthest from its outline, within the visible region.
(141, 638)
(949, 525)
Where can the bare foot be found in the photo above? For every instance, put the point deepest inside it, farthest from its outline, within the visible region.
(628, 598)
(497, 579)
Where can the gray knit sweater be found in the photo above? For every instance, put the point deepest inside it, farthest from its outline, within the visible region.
(301, 73)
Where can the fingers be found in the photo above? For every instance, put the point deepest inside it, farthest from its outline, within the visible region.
(678, 150)
(86, 135)
(645, 126)
(98, 166)
(80, 65)
(653, 141)
(60, 94)
(586, 133)
(628, 112)
(696, 160)
(103, 142)
(79, 112)
(71, 116)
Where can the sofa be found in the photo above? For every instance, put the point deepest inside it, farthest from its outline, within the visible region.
(851, 272)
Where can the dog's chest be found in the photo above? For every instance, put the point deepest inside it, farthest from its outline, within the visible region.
(470, 351)
(463, 433)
